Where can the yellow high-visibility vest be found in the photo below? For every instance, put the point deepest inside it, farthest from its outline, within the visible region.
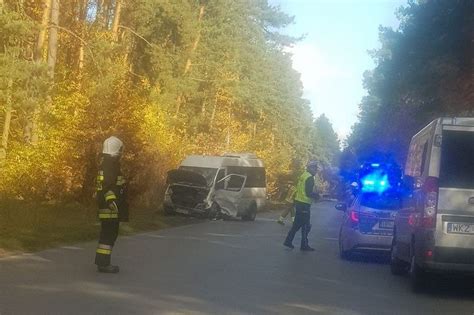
(301, 189)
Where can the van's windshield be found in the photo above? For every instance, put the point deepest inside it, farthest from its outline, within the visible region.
(457, 160)
(387, 201)
(208, 173)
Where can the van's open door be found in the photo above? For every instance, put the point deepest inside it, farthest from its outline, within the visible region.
(229, 195)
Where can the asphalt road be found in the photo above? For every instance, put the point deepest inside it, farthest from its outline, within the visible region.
(221, 268)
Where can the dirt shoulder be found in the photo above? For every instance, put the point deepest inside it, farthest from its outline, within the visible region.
(30, 227)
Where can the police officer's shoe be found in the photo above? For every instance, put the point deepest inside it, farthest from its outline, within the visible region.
(288, 244)
(108, 269)
(307, 249)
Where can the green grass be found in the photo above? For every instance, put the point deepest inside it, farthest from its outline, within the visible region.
(29, 227)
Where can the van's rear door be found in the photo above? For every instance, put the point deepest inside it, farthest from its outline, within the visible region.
(454, 237)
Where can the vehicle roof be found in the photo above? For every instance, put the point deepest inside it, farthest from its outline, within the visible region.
(446, 121)
(220, 161)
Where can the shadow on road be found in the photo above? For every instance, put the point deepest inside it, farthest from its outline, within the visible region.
(442, 286)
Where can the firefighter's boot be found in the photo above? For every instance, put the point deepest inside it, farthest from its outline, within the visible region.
(108, 269)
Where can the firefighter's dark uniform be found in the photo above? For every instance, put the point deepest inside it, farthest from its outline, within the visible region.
(303, 199)
(111, 188)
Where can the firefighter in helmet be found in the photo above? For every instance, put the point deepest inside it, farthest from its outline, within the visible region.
(113, 208)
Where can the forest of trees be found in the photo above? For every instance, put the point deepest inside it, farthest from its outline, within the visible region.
(170, 78)
(424, 70)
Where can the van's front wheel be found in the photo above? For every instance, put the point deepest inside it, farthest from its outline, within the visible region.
(251, 213)
(169, 210)
(214, 211)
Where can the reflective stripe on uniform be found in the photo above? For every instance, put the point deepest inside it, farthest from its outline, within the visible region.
(120, 181)
(110, 196)
(103, 251)
(100, 180)
(108, 215)
(105, 246)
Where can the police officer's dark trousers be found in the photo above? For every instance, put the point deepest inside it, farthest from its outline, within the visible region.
(302, 221)
(108, 235)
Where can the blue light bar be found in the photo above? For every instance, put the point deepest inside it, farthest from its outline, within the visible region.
(375, 182)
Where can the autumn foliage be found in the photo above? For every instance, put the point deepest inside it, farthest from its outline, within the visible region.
(170, 78)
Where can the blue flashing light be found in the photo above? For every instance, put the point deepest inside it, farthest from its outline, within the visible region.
(375, 165)
(375, 182)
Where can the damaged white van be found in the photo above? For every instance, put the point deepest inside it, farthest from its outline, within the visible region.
(233, 185)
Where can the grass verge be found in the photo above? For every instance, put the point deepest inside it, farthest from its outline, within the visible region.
(29, 227)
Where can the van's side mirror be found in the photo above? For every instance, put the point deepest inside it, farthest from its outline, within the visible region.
(341, 206)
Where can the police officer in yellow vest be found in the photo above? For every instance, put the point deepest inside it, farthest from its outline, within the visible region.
(113, 207)
(304, 197)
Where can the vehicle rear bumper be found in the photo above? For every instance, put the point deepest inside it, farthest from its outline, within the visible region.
(439, 267)
(451, 259)
(368, 242)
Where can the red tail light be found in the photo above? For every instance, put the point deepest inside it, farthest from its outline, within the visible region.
(354, 217)
(430, 189)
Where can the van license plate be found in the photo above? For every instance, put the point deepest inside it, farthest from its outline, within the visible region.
(460, 228)
(386, 224)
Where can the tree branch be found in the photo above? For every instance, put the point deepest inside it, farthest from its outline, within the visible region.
(136, 34)
(80, 39)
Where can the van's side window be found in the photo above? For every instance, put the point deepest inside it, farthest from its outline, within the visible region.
(255, 175)
(235, 183)
(220, 176)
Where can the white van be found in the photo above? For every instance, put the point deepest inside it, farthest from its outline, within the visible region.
(233, 185)
(434, 230)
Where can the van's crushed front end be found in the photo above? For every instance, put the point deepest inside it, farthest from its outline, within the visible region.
(187, 193)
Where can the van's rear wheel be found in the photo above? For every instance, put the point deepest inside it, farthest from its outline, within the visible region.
(251, 213)
(418, 276)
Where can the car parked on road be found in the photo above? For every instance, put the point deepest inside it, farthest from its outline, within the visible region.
(368, 223)
(232, 185)
(434, 230)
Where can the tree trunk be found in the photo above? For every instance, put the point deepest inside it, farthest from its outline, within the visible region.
(8, 116)
(99, 12)
(203, 108)
(38, 53)
(115, 24)
(108, 4)
(179, 99)
(53, 38)
(196, 41)
(82, 21)
(228, 138)
(213, 115)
